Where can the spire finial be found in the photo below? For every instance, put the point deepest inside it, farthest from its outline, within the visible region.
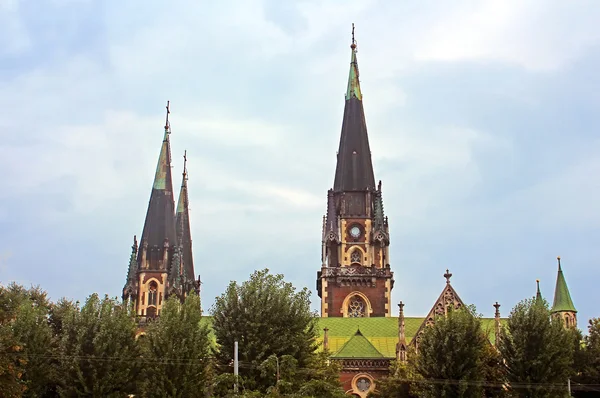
(497, 307)
(185, 165)
(558, 258)
(401, 307)
(353, 45)
(447, 275)
(167, 126)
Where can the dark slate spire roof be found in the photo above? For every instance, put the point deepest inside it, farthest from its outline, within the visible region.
(354, 170)
(160, 223)
(562, 297)
(182, 223)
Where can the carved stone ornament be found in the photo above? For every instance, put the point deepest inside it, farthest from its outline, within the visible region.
(332, 236)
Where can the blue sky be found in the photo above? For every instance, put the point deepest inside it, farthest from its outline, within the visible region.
(482, 116)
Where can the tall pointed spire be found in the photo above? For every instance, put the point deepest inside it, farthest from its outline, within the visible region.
(159, 224)
(182, 223)
(538, 293)
(562, 297)
(354, 170)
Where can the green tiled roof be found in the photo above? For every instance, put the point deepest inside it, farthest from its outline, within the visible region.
(358, 347)
(381, 333)
(562, 297)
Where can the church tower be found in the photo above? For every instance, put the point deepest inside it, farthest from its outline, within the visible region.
(355, 279)
(162, 264)
(563, 306)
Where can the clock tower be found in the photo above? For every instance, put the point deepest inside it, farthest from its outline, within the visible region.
(355, 279)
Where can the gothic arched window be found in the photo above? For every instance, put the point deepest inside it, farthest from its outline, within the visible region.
(355, 257)
(152, 293)
(356, 307)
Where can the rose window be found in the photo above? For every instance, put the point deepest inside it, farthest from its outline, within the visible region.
(356, 307)
(363, 384)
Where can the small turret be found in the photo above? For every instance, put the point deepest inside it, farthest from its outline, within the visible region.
(563, 306)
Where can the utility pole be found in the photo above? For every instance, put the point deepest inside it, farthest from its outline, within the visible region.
(277, 361)
(235, 366)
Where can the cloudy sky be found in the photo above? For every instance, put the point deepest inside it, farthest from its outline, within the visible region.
(483, 121)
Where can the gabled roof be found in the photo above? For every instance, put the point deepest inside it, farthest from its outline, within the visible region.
(358, 347)
(562, 297)
(354, 169)
(447, 298)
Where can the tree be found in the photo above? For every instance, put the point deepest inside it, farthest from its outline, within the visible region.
(403, 381)
(537, 350)
(450, 356)
(176, 351)
(32, 330)
(26, 343)
(587, 362)
(267, 316)
(98, 351)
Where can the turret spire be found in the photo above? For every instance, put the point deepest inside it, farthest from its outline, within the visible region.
(562, 297)
(538, 293)
(182, 222)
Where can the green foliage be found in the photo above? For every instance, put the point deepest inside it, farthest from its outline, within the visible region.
(99, 355)
(176, 351)
(451, 354)
(26, 340)
(267, 316)
(272, 322)
(587, 361)
(403, 381)
(537, 349)
(32, 330)
(12, 363)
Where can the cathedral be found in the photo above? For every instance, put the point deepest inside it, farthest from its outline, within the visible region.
(355, 279)
(163, 263)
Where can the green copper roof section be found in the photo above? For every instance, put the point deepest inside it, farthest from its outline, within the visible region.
(164, 164)
(562, 297)
(358, 347)
(538, 294)
(353, 82)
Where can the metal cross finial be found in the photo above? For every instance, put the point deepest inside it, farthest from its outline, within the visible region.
(168, 111)
(353, 41)
(497, 307)
(447, 275)
(185, 164)
(401, 306)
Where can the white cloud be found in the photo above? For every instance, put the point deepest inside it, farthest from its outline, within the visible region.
(538, 35)
(14, 38)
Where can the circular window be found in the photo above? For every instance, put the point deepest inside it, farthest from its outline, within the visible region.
(363, 384)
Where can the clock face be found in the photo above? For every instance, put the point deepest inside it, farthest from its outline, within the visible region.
(355, 231)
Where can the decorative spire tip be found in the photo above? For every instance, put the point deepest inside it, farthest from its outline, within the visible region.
(185, 165)
(558, 258)
(167, 125)
(447, 275)
(353, 45)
